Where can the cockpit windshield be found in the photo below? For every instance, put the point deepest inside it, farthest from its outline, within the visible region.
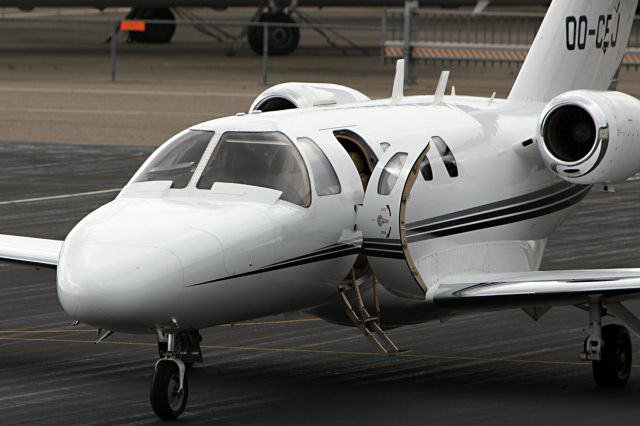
(266, 159)
(178, 161)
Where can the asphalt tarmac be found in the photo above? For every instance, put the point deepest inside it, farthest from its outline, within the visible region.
(491, 368)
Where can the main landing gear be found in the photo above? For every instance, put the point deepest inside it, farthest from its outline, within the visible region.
(282, 40)
(609, 347)
(178, 351)
(160, 32)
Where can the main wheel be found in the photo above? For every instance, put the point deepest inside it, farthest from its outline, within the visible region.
(613, 370)
(166, 399)
(282, 40)
(154, 33)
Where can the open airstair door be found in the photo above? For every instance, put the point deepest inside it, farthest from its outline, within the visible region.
(382, 219)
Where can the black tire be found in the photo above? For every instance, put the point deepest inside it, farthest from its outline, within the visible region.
(282, 40)
(613, 370)
(166, 402)
(154, 33)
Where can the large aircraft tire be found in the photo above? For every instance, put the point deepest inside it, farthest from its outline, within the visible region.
(167, 402)
(613, 370)
(282, 40)
(154, 33)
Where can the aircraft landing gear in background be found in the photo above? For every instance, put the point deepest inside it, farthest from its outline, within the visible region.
(608, 348)
(170, 387)
(282, 40)
(154, 33)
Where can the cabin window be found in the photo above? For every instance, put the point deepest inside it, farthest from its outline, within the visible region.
(265, 159)
(179, 159)
(391, 172)
(447, 156)
(425, 169)
(325, 177)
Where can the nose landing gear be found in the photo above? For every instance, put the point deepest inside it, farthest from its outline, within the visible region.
(170, 387)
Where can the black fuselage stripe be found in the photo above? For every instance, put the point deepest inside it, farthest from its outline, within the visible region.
(316, 253)
(498, 213)
(386, 254)
(382, 240)
(342, 250)
(370, 246)
(552, 190)
(503, 220)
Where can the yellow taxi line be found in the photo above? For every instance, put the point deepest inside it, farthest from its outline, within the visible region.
(93, 330)
(317, 351)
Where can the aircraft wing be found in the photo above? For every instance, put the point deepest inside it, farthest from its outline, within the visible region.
(36, 251)
(539, 289)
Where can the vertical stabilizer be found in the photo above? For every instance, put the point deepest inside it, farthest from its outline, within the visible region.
(580, 45)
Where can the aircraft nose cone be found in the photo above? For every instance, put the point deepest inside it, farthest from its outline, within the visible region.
(116, 285)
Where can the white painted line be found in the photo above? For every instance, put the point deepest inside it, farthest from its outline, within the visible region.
(68, 90)
(58, 197)
(101, 111)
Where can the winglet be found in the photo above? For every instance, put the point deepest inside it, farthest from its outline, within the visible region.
(442, 86)
(398, 82)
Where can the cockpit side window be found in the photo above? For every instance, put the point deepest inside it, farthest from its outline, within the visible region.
(325, 177)
(265, 159)
(178, 161)
(447, 156)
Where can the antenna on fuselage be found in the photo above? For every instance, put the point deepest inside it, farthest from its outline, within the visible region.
(442, 86)
(492, 98)
(398, 83)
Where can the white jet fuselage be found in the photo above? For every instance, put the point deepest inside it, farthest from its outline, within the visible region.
(204, 257)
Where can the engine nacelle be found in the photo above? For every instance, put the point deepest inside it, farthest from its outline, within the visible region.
(305, 95)
(589, 137)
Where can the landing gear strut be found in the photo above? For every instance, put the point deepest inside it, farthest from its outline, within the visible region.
(170, 387)
(608, 348)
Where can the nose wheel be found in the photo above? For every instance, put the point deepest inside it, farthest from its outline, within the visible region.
(170, 387)
(168, 398)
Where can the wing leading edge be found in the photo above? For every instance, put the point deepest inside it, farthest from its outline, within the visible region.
(35, 251)
(543, 288)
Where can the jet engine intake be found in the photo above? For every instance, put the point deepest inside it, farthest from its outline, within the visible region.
(588, 137)
(305, 95)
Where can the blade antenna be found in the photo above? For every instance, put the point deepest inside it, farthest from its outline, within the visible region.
(398, 83)
(441, 88)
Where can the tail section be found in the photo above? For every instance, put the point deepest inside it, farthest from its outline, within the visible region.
(580, 45)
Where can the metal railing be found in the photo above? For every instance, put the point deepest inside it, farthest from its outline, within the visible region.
(464, 38)
(115, 24)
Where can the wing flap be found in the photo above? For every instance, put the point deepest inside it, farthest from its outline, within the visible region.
(547, 288)
(37, 251)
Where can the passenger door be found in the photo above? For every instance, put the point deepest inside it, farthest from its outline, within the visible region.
(382, 218)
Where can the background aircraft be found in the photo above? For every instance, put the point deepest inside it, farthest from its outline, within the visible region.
(282, 40)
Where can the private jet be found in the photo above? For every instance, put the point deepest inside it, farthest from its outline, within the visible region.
(369, 213)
